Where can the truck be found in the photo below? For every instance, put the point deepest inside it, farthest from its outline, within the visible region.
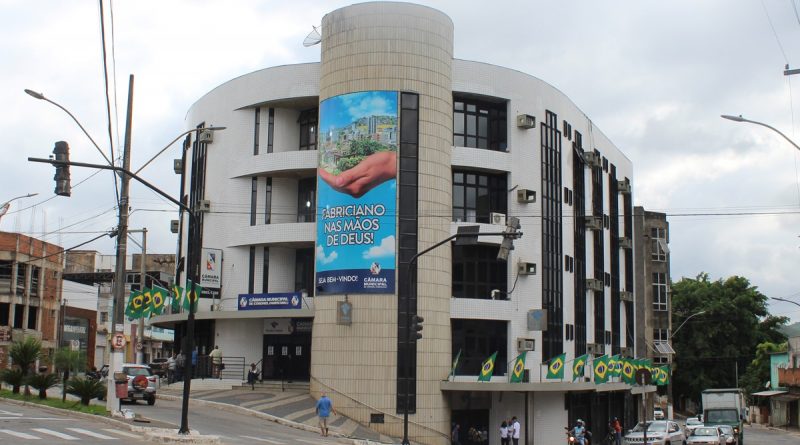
(725, 407)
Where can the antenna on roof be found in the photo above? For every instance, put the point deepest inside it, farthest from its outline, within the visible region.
(313, 37)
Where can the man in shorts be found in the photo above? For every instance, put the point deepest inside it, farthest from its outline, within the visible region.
(324, 409)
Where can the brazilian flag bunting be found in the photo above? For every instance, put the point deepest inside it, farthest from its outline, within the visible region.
(193, 291)
(148, 302)
(663, 375)
(455, 364)
(159, 297)
(518, 369)
(578, 366)
(134, 308)
(555, 370)
(601, 369)
(627, 372)
(614, 366)
(177, 298)
(487, 369)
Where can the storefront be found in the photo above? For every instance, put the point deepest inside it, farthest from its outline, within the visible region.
(287, 349)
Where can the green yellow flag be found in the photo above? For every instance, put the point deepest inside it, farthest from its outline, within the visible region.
(148, 302)
(518, 369)
(193, 292)
(627, 372)
(578, 366)
(614, 366)
(487, 369)
(159, 297)
(455, 364)
(555, 370)
(663, 375)
(134, 308)
(601, 369)
(177, 298)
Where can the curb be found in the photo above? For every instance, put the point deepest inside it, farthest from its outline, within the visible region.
(280, 420)
(160, 435)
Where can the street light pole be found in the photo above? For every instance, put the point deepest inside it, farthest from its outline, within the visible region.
(6, 205)
(684, 322)
(741, 119)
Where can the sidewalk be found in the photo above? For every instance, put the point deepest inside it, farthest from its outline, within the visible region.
(292, 407)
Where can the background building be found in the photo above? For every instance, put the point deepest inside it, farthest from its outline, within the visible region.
(475, 144)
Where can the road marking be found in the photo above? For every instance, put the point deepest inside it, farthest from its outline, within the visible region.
(55, 433)
(263, 440)
(9, 413)
(20, 435)
(91, 433)
(121, 433)
(314, 442)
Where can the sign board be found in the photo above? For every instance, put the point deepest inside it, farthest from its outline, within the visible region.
(74, 345)
(139, 346)
(5, 333)
(356, 222)
(344, 313)
(251, 302)
(211, 272)
(118, 341)
(537, 320)
(278, 326)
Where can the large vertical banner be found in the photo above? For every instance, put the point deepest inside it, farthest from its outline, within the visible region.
(357, 193)
(211, 272)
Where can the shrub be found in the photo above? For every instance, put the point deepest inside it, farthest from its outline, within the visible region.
(14, 377)
(86, 389)
(43, 382)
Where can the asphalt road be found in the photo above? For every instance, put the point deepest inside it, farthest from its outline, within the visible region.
(32, 424)
(232, 428)
(765, 436)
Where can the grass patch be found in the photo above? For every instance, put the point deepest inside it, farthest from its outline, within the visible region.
(72, 405)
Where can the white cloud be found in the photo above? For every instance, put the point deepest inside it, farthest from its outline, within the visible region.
(386, 248)
(325, 259)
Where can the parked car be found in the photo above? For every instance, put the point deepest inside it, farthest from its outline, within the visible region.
(691, 424)
(658, 413)
(731, 435)
(159, 366)
(659, 432)
(706, 435)
(142, 383)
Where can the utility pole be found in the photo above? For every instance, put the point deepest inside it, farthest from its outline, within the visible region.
(118, 320)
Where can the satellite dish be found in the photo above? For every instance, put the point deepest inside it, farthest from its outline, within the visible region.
(312, 38)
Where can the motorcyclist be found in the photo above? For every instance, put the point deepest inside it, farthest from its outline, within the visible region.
(579, 431)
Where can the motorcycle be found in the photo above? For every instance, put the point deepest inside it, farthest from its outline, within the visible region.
(572, 440)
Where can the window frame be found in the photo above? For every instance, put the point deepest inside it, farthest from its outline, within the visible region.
(494, 190)
(660, 291)
(467, 117)
(308, 122)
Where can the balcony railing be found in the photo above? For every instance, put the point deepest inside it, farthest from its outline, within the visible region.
(789, 377)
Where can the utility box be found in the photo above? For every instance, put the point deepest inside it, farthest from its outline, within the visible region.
(121, 384)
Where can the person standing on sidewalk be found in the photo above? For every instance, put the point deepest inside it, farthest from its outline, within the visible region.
(515, 435)
(216, 362)
(171, 368)
(324, 409)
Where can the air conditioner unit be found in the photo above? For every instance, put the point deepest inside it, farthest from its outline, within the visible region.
(625, 243)
(594, 284)
(625, 295)
(497, 218)
(595, 348)
(526, 268)
(177, 166)
(174, 226)
(204, 205)
(206, 136)
(624, 187)
(592, 159)
(526, 121)
(626, 352)
(593, 222)
(526, 196)
(526, 344)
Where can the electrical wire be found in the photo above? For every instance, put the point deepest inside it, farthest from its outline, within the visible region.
(114, 66)
(777, 39)
(108, 98)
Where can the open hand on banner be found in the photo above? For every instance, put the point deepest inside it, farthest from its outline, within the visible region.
(374, 170)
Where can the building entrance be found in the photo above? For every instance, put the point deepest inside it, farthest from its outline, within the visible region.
(287, 357)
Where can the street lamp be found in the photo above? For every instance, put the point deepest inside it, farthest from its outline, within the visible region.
(7, 205)
(785, 300)
(684, 322)
(741, 119)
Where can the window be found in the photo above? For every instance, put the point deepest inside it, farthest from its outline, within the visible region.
(6, 268)
(18, 312)
(251, 275)
(479, 124)
(20, 280)
(552, 235)
(660, 292)
(306, 200)
(477, 271)
(256, 127)
(265, 271)
(32, 312)
(253, 199)
(658, 244)
(270, 129)
(478, 339)
(660, 335)
(304, 270)
(35, 277)
(103, 317)
(476, 195)
(308, 129)
(268, 202)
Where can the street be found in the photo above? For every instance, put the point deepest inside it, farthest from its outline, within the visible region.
(19, 424)
(764, 436)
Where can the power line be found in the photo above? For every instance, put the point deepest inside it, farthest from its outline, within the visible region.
(777, 39)
(108, 98)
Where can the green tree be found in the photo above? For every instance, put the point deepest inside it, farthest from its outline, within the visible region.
(14, 377)
(43, 382)
(712, 348)
(86, 389)
(24, 355)
(67, 360)
(758, 371)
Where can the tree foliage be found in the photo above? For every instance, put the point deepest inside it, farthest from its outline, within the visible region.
(716, 346)
(86, 389)
(43, 382)
(13, 377)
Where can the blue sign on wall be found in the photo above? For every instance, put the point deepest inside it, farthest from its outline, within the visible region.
(253, 302)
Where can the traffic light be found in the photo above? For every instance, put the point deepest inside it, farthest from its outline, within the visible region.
(63, 187)
(416, 327)
(509, 235)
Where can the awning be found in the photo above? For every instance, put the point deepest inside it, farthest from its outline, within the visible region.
(787, 397)
(768, 393)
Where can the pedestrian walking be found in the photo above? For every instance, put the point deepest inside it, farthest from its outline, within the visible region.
(504, 433)
(216, 363)
(516, 426)
(171, 366)
(252, 376)
(454, 434)
(324, 409)
(180, 362)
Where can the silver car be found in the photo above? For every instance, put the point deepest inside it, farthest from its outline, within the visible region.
(706, 435)
(691, 424)
(659, 432)
(141, 383)
(730, 435)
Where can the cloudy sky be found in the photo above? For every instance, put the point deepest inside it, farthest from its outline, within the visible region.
(654, 76)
